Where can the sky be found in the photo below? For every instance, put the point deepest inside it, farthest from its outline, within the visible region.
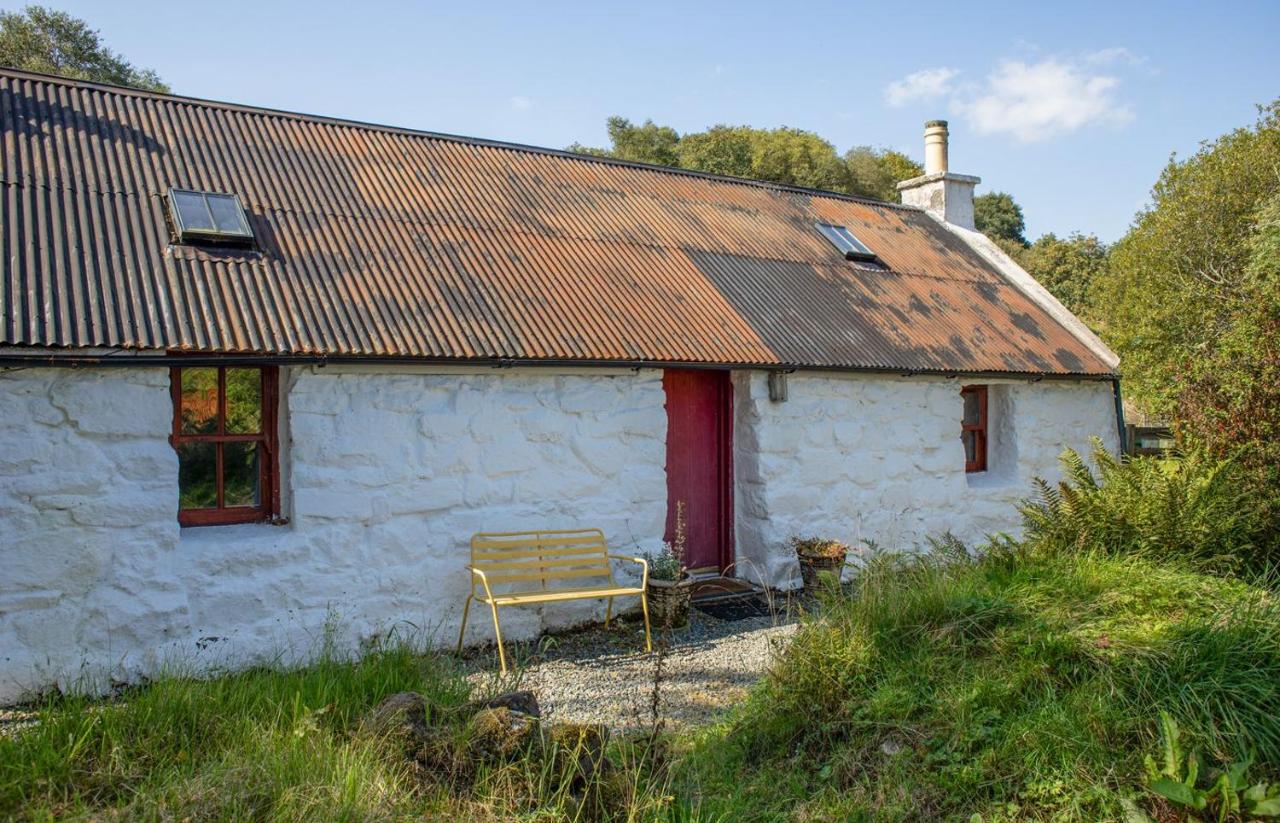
(1074, 108)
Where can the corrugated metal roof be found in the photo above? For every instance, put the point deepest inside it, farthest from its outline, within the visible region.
(378, 241)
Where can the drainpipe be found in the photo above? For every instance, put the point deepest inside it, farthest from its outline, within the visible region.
(1121, 429)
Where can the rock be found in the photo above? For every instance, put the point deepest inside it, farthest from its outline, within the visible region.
(891, 746)
(578, 750)
(401, 716)
(499, 733)
(522, 702)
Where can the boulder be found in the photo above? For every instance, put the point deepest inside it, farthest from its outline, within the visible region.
(499, 733)
(521, 702)
(401, 716)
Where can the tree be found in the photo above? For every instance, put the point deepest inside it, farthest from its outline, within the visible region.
(54, 42)
(1184, 275)
(877, 172)
(718, 150)
(1067, 268)
(998, 216)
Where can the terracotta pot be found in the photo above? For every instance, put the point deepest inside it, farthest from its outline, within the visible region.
(811, 569)
(669, 602)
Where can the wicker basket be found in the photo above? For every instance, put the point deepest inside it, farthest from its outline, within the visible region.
(812, 568)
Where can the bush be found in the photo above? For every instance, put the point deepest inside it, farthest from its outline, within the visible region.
(1194, 509)
(1016, 685)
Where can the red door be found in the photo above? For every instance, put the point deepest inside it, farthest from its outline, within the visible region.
(699, 469)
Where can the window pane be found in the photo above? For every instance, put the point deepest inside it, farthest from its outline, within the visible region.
(192, 211)
(240, 474)
(970, 446)
(199, 401)
(227, 214)
(972, 409)
(197, 476)
(244, 401)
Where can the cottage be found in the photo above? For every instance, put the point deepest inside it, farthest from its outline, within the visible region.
(263, 374)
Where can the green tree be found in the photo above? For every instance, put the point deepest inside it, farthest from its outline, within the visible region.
(54, 42)
(877, 172)
(998, 216)
(719, 150)
(1185, 274)
(1067, 268)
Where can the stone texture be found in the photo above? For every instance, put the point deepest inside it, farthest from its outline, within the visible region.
(860, 457)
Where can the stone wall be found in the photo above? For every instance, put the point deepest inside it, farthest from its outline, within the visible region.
(859, 457)
(388, 473)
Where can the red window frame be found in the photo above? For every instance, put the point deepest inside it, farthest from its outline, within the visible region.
(268, 464)
(978, 430)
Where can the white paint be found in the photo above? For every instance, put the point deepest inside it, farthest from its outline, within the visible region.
(389, 473)
(859, 457)
(944, 195)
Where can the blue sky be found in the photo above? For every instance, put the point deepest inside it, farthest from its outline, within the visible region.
(1072, 107)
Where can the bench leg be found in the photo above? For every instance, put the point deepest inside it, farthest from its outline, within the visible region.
(462, 631)
(608, 613)
(497, 631)
(644, 607)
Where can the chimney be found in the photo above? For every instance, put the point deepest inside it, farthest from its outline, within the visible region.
(946, 195)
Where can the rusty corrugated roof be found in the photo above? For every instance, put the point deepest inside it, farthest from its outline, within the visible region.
(378, 241)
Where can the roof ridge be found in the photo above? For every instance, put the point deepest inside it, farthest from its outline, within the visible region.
(455, 138)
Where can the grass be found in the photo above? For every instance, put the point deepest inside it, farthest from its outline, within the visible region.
(1011, 687)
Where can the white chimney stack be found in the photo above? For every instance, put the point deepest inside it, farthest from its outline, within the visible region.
(946, 195)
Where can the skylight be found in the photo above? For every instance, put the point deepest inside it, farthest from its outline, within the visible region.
(205, 216)
(843, 239)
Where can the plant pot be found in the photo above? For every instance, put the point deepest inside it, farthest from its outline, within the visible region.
(812, 568)
(669, 602)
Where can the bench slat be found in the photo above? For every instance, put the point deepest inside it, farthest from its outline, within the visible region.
(484, 555)
(498, 579)
(533, 539)
(544, 563)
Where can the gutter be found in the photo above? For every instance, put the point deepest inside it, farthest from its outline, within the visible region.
(74, 361)
(1121, 428)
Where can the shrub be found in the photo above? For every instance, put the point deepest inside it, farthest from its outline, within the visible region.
(1193, 509)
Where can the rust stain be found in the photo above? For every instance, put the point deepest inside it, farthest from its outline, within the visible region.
(376, 241)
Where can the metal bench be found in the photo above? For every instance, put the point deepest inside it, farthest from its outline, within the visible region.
(525, 568)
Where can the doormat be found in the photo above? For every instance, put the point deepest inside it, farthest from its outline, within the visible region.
(736, 608)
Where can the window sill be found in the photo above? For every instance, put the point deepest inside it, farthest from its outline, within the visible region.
(990, 480)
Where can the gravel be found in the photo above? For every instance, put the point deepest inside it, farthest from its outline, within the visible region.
(604, 676)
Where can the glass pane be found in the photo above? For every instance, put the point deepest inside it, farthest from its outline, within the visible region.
(192, 212)
(227, 214)
(970, 446)
(197, 476)
(244, 401)
(240, 474)
(199, 401)
(972, 409)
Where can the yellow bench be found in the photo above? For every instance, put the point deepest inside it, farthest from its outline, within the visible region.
(523, 568)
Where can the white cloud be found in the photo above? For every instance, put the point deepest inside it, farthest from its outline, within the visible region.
(520, 103)
(926, 84)
(1037, 100)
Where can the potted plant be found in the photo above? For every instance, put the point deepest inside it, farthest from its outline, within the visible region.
(818, 555)
(670, 586)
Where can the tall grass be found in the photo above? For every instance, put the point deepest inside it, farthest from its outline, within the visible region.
(1017, 684)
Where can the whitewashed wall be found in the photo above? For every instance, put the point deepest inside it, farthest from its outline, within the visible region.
(861, 457)
(387, 476)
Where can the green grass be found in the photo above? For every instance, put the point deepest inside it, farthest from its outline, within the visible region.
(1016, 686)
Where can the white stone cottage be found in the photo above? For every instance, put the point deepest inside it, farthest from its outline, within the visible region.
(262, 374)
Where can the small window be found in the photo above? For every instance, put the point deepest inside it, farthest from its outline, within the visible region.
(208, 217)
(973, 428)
(224, 430)
(843, 239)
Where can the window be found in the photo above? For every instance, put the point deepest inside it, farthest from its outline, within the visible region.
(973, 428)
(202, 216)
(224, 430)
(843, 239)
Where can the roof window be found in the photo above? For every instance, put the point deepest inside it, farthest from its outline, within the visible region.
(843, 239)
(208, 217)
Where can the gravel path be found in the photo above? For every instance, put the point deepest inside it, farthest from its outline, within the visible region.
(603, 675)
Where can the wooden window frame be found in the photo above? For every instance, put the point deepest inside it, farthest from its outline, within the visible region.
(268, 463)
(979, 429)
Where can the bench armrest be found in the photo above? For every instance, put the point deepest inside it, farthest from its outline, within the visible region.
(483, 579)
(644, 565)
